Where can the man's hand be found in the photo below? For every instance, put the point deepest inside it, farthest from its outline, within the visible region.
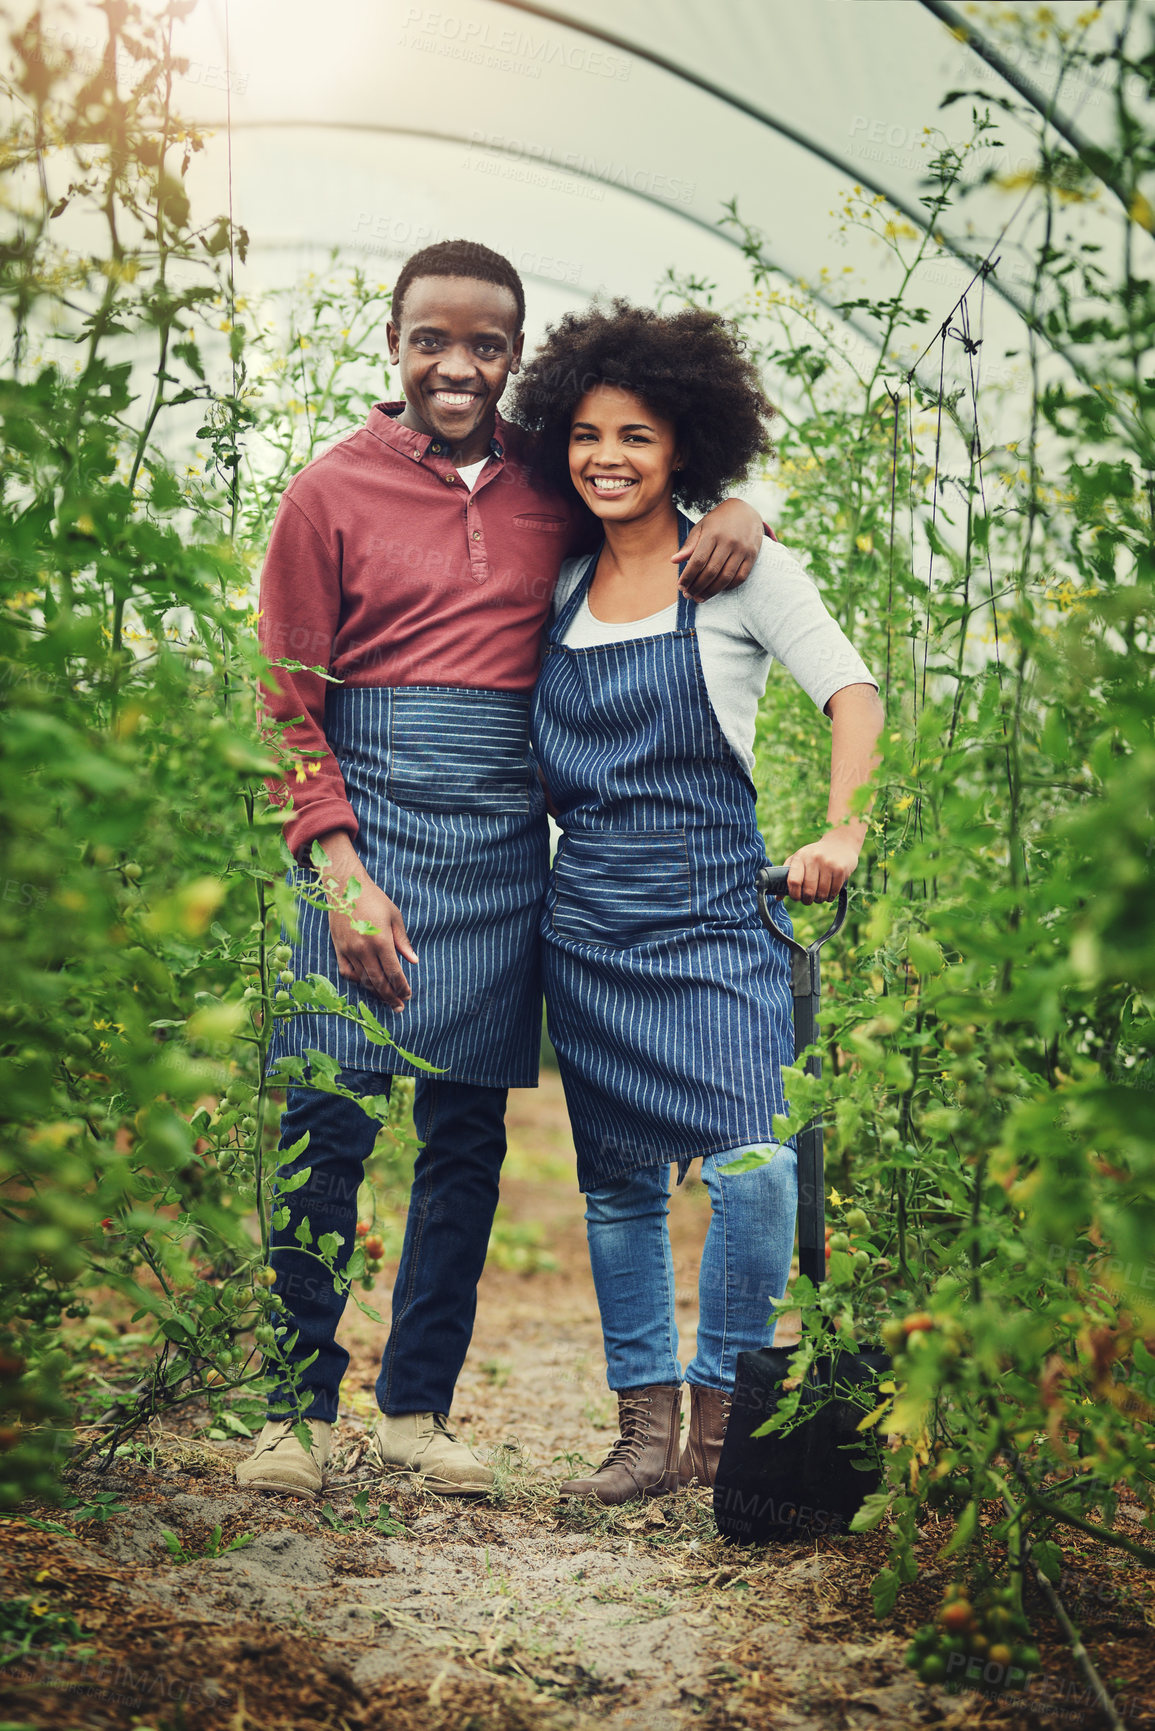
(369, 959)
(720, 551)
(818, 871)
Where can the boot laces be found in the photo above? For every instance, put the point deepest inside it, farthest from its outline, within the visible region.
(635, 1432)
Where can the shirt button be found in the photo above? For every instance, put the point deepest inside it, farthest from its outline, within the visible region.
(477, 534)
(416, 455)
(449, 480)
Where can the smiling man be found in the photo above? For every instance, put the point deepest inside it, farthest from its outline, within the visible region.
(415, 562)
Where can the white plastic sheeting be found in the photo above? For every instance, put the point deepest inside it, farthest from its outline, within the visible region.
(374, 126)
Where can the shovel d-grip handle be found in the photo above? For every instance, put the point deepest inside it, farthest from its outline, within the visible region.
(771, 881)
(806, 988)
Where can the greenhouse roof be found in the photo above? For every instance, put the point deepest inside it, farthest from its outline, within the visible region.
(598, 145)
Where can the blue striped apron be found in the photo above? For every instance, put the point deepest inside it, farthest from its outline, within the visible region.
(452, 828)
(667, 1000)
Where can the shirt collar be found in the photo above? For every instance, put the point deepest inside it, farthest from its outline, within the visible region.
(384, 425)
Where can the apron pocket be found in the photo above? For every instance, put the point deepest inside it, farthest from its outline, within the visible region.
(620, 887)
(458, 751)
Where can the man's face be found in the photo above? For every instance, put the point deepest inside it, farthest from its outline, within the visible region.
(457, 344)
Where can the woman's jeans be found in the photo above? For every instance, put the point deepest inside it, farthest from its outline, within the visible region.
(745, 1263)
(451, 1207)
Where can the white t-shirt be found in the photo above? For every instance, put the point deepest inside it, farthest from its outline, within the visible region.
(777, 614)
(471, 471)
(585, 631)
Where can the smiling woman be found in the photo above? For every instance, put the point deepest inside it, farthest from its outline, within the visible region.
(668, 1002)
(692, 373)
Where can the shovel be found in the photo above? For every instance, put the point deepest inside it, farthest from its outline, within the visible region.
(786, 1487)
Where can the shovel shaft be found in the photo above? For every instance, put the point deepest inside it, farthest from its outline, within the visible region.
(811, 1174)
(806, 989)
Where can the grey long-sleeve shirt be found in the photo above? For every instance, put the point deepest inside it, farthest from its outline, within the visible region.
(776, 615)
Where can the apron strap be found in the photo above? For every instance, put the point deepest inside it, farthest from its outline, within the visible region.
(685, 606)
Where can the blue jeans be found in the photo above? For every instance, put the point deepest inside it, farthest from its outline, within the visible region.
(745, 1263)
(451, 1207)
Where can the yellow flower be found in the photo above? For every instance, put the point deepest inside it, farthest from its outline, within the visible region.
(300, 772)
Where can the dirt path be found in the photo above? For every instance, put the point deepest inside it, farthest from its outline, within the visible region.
(493, 1616)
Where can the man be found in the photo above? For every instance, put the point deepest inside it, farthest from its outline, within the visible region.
(416, 560)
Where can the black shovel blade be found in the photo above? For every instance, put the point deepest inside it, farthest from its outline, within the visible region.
(782, 1488)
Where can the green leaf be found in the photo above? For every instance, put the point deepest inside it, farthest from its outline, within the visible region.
(181, 1329)
(286, 1186)
(872, 1512)
(1049, 1558)
(751, 1161)
(964, 1532)
(884, 1591)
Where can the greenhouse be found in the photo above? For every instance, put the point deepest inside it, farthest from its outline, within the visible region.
(558, 1173)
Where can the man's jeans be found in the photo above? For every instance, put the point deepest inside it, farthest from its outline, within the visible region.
(451, 1207)
(745, 1263)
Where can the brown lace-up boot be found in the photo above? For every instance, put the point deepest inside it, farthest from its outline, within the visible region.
(709, 1416)
(644, 1460)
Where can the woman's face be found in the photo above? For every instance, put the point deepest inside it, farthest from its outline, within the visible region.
(622, 456)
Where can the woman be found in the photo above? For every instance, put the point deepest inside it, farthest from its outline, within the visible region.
(668, 1002)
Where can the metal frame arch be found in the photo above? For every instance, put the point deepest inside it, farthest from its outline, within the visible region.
(443, 137)
(688, 75)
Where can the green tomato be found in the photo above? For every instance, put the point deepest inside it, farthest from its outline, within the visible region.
(839, 1241)
(861, 1261)
(857, 1221)
(893, 1334)
(933, 1668)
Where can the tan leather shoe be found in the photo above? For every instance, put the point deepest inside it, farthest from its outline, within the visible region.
(421, 1446)
(644, 1460)
(709, 1416)
(279, 1463)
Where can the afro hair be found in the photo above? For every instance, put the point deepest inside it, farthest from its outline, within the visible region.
(687, 366)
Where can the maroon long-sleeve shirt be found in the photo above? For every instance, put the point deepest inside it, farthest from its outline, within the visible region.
(385, 569)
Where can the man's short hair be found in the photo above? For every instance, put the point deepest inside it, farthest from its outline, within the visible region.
(459, 258)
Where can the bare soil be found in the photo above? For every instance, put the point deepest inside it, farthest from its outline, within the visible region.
(514, 1611)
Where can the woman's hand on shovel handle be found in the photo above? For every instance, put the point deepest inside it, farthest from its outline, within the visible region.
(819, 870)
